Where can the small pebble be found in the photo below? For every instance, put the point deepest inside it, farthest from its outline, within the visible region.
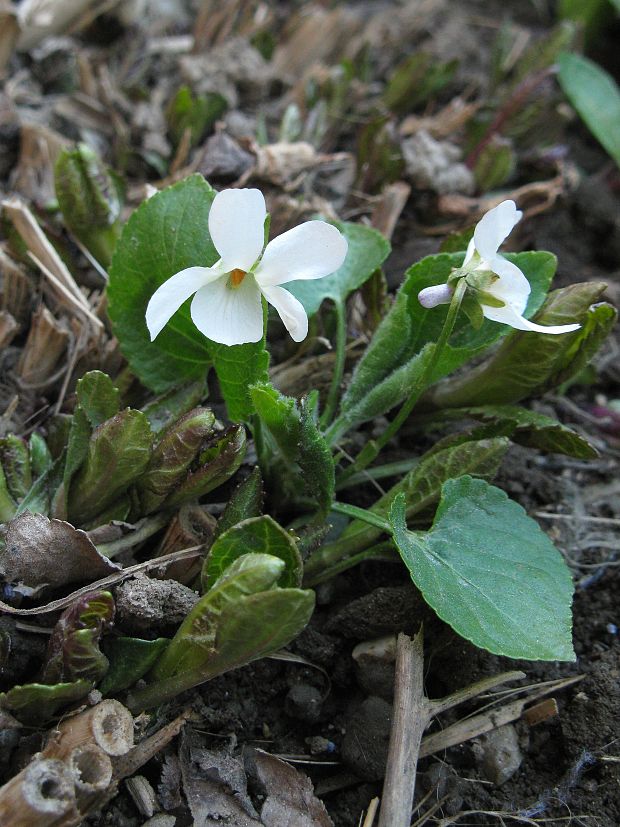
(374, 666)
(500, 754)
(304, 702)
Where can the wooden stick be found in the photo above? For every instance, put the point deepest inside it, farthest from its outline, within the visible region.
(411, 717)
(41, 795)
(145, 750)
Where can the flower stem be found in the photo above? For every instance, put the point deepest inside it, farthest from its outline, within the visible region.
(379, 472)
(341, 353)
(367, 456)
(361, 514)
(381, 551)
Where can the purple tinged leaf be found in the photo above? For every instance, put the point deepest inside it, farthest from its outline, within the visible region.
(217, 464)
(73, 650)
(172, 457)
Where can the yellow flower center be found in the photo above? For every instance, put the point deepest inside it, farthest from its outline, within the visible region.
(236, 277)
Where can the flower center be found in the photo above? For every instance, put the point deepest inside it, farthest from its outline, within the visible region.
(236, 277)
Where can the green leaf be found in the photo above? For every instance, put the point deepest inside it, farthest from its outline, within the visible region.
(396, 352)
(119, 451)
(298, 440)
(196, 113)
(490, 572)
(532, 429)
(168, 407)
(238, 367)
(165, 235)
(241, 618)
(421, 488)
(316, 461)
(172, 457)
(261, 535)
(39, 499)
(73, 650)
(130, 659)
(415, 80)
(246, 502)
(596, 97)
(41, 459)
(15, 461)
(216, 464)
(35, 703)
(90, 199)
(367, 251)
(385, 394)
(97, 397)
(8, 506)
(529, 364)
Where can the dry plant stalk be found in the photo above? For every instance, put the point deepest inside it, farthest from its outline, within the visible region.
(17, 288)
(46, 342)
(9, 32)
(8, 328)
(47, 259)
(108, 726)
(389, 206)
(41, 795)
(410, 719)
(92, 772)
(38, 152)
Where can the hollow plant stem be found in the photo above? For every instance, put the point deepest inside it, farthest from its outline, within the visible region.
(367, 456)
(341, 353)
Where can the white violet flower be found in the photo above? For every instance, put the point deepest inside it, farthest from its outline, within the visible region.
(227, 306)
(510, 287)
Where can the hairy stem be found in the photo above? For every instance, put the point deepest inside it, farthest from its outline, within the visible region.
(341, 353)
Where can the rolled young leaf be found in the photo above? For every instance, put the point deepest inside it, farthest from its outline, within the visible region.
(172, 457)
(118, 453)
(216, 464)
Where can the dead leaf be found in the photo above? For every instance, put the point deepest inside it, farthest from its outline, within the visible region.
(290, 797)
(215, 785)
(160, 564)
(46, 554)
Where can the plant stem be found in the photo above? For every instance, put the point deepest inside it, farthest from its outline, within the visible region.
(379, 472)
(144, 529)
(381, 551)
(366, 457)
(361, 514)
(341, 353)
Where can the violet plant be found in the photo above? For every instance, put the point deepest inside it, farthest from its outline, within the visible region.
(470, 334)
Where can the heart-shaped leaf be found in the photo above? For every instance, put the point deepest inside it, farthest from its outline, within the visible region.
(367, 251)
(490, 572)
(165, 235)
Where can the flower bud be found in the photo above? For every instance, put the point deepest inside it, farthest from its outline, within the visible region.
(435, 295)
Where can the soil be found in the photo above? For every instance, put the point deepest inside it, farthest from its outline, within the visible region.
(332, 722)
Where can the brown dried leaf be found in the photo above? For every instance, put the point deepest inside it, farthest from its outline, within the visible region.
(215, 785)
(39, 149)
(47, 554)
(316, 35)
(289, 795)
(46, 343)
